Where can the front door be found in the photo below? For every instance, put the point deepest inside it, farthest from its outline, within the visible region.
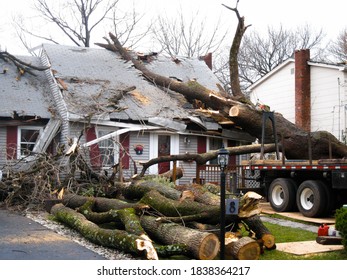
(163, 150)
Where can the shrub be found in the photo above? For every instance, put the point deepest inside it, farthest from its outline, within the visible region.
(341, 224)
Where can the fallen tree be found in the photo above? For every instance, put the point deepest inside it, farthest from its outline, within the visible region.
(238, 109)
(158, 223)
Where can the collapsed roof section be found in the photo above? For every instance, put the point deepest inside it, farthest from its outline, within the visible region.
(98, 84)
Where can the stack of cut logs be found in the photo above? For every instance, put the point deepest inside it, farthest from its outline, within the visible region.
(154, 219)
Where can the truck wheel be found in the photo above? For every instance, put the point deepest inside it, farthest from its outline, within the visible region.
(282, 194)
(311, 198)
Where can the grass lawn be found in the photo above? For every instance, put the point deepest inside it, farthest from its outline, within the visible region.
(288, 234)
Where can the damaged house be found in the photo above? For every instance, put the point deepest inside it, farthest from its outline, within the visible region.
(94, 97)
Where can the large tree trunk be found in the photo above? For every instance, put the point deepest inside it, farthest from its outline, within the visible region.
(118, 239)
(244, 115)
(201, 245)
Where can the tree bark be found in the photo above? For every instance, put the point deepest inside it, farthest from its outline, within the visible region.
(118, 239)
(200, 194)
(101, 204)
(295, 140)
(201, 245)
(138, 188)
(261, 231)
(174, 208)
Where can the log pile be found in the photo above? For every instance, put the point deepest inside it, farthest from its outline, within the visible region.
(155, 219)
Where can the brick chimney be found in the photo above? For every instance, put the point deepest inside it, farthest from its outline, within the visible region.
(302, 90)
(208, 60)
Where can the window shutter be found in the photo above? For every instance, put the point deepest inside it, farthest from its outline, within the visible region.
(94, 151)
(11, 142)
(124, 155)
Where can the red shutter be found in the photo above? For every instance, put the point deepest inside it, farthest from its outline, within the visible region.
(201, 149)
(232, 159)
(201, 144)
(94, 152)
(11, 142)
(124, 139)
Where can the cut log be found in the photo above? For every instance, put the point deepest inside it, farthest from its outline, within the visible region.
(244, 248)
(200, 194)
(101, 204)
(173, 208)
(262, 233)
(118, 239)
(201, 245)
(138, 189)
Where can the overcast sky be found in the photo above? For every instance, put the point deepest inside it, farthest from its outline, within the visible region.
(327, 15)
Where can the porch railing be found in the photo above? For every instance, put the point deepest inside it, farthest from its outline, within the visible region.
(236, 179)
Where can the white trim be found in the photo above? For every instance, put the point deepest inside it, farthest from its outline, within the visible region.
(115, 148)
(153, 152)
(174, 147)
(19, 136)
(114, 134)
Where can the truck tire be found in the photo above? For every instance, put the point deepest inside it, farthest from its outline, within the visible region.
(311, 198)
(282, 194)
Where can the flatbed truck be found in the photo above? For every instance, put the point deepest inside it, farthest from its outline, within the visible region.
(314, 187)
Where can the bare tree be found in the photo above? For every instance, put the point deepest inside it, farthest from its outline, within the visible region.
(187, 36)
(338, 48)
(128, 28)
(259, 54)
(78, 20)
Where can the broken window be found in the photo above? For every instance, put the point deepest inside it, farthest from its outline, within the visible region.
(27, 137)
(108, 149)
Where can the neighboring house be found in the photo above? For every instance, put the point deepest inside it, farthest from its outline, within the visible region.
(310, 94)
(120, 117)
(24, 112)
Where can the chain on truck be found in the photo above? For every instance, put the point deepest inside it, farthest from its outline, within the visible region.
(313, 187)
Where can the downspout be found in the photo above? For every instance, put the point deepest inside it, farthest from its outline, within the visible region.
(58, 99)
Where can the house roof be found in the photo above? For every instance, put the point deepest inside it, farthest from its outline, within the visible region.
(23, 95)
(339, 67)
(99, 82)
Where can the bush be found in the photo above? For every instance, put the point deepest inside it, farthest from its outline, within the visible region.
(341, 224)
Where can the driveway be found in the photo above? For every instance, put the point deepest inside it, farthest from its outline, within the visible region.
(23, 239)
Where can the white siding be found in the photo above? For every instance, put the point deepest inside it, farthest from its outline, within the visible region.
(328, 97)
(137, 138)
(325, 100)
(188, 168)
(278, 92)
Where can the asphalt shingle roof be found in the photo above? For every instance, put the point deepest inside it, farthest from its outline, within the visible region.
(25, 95)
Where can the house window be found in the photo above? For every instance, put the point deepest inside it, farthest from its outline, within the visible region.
(27, 137)
(108, 149)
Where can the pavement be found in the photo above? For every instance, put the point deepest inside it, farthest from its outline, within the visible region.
(23, 239)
